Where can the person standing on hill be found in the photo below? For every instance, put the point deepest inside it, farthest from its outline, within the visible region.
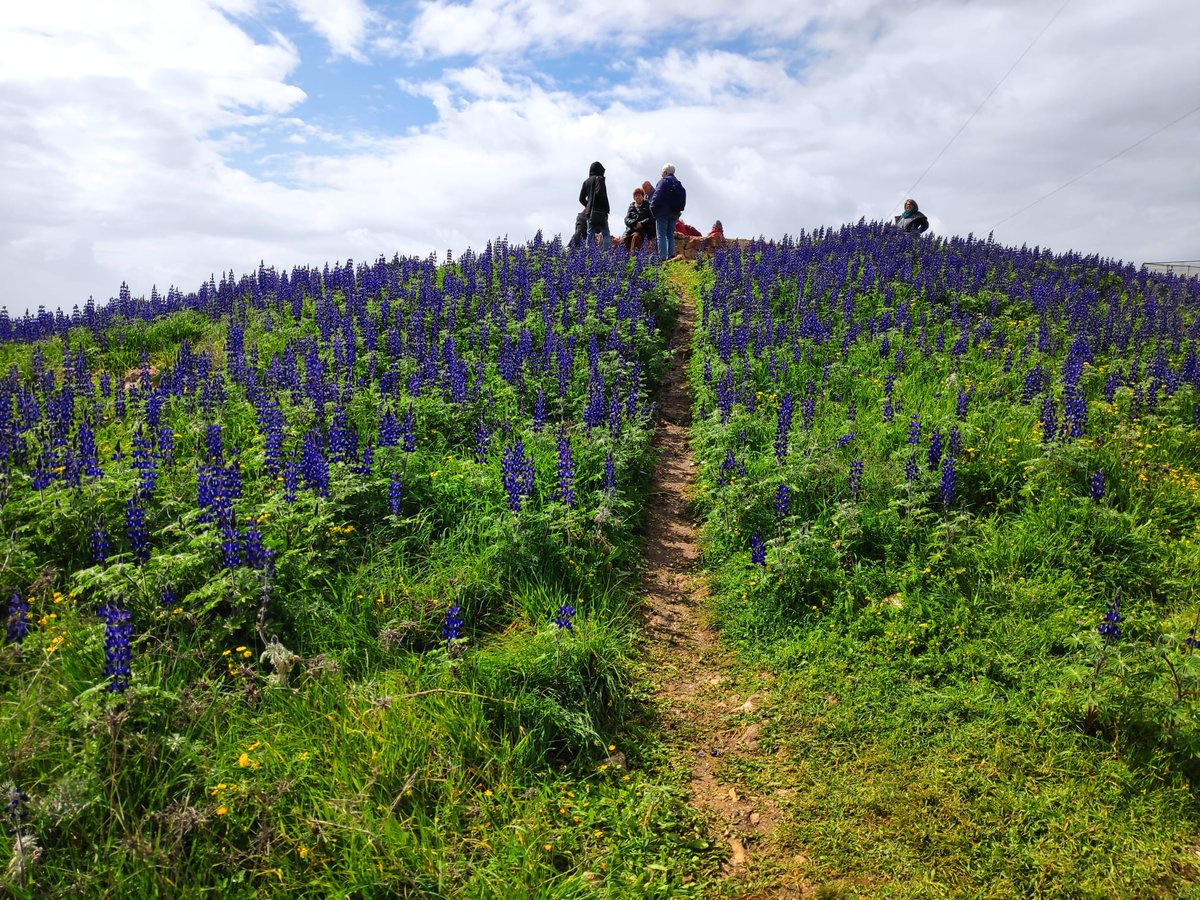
(594, 197)
(912, 219)
(667, 202)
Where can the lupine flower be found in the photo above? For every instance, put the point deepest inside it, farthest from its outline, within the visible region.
(1110, 625)
(845, 440)
(1049, 420)
(255, 554)
(291, 480)
(408, 430)
(948, 478)
(516, 474)
(1191, 640)
(914, 429)
(117, 653)
(135, 529)
(783, 426)
(935, 449)
(18, 618)
(910, 467)
(99, 544)
(758, 550)
(566, 471)
(231, 547)
(142, 456)
(16, 810)
(783, 499)
(1097, 485)
(314, 467)
(856, 471)
(168, 600)
(610, 473)
(395, 494)
(452, 625)
(566, 613)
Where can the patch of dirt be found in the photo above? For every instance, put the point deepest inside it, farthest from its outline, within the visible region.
(712, 729)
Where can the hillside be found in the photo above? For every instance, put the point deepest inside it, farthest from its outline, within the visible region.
(331, 582)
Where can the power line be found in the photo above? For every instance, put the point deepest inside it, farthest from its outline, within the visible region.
(1137, 143)
(995, 88)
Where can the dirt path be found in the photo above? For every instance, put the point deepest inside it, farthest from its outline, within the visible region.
(711, 728)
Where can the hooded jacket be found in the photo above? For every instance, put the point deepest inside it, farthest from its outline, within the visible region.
(594, 194)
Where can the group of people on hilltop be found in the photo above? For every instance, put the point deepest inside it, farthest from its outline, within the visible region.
(654, 213)
(656, 210)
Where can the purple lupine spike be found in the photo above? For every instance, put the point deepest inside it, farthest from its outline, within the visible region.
(610, 473)
(135, 529)
(783, 498)
(948, 479)
(452, 624)
(935, 450)
(118, 654)
(856, 472)
(18, 619)
(1110, 625)
(758, 550)
(565, 617)
(566, 471)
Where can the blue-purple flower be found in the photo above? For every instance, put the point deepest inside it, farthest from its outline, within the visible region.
(118, 632)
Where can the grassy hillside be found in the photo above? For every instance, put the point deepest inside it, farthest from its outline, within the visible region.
(952, 499)
(324, 582)
(321, 583)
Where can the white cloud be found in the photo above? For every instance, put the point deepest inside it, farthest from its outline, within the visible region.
(155, 148)
(343, 23)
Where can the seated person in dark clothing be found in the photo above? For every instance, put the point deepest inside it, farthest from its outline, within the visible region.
(639, 221)
(580, 234)
(912, 219)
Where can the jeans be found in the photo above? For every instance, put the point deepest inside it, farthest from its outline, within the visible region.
(603, 231)
(664, 229)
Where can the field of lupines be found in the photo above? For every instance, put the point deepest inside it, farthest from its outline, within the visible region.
(952, 495)
(319, 582)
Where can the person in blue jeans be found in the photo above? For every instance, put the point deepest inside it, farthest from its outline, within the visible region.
(666, 203)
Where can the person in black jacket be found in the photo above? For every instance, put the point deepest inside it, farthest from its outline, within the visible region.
(639, 221)
(912, 219)
(594, 197)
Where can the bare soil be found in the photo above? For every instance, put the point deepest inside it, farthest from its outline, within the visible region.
(711, 727)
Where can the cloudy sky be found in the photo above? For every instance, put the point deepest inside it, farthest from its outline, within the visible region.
(159, 142)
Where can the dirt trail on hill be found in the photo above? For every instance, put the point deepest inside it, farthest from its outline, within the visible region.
(710, 727)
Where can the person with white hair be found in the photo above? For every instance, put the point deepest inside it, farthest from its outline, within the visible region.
(666, 203)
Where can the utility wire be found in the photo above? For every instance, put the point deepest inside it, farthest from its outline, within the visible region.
(995, 88)
(1138, 143)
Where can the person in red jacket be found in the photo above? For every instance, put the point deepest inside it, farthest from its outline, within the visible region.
(715, 237)
(683, 228)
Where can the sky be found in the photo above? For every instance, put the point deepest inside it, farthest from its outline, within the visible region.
(158, 143)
